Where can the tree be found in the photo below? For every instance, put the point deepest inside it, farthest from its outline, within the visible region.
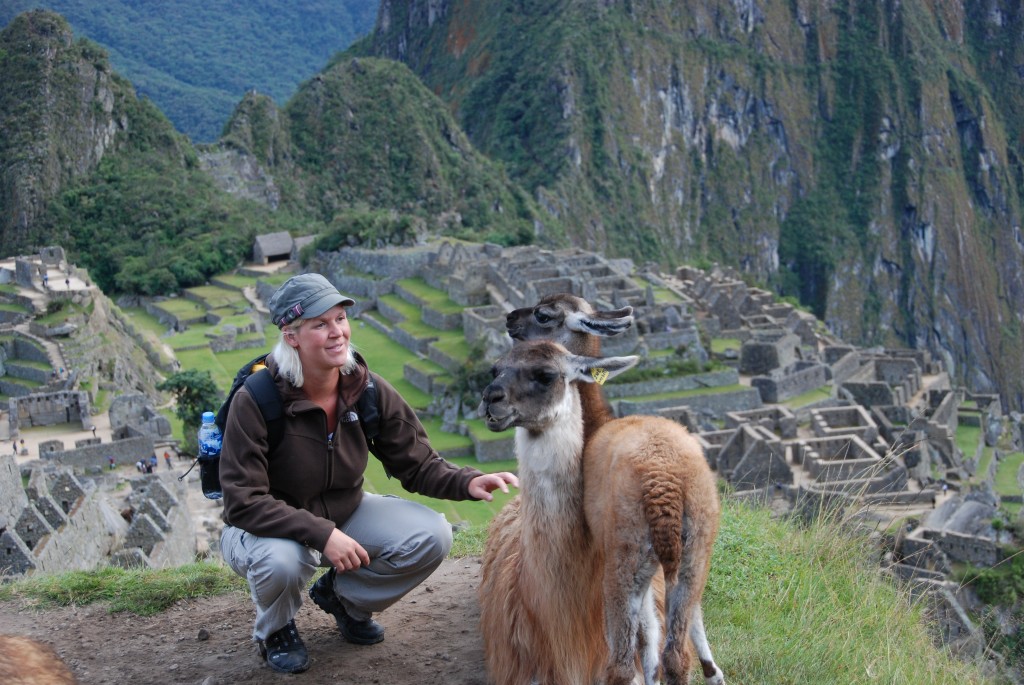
(194, 392)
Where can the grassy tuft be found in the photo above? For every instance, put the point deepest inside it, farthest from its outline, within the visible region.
(140, 591)
(792, 605)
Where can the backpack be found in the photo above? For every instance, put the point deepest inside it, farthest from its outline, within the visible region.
(262, 389)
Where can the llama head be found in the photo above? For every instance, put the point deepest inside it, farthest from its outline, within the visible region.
(568, 320)
(531, 386)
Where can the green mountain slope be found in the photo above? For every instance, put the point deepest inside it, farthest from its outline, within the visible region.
(864, 157)
(363, 152)
(196, 59)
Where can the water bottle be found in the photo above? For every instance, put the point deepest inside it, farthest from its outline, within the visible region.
(209, 457)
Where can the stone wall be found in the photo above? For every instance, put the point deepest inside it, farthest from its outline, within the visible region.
(793, 382)
(715, 404)
(695, 381)
(49, 409)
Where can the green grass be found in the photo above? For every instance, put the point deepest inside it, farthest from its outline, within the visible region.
(441, 440)
(785, 605)
(437, 300)
(679, 394)
(1006, 474)
(453, 344)
(144, 321)
(809, 397)
(215, 296)
(237, 280)
(181, 308)
(472, 512)
(720, 345)
(11, 307)
(387, 358)
(479, 430)
(665, 296)
(140, 591)
(967, 439)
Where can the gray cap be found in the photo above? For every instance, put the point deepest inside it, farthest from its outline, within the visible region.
(304, 297)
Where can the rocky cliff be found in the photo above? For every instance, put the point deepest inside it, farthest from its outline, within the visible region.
(864, 157)
(61, 110)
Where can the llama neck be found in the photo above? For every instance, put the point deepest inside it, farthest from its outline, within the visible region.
(550, 468)
(596, 411)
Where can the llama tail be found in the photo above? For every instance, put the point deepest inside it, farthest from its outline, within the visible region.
(663, 508)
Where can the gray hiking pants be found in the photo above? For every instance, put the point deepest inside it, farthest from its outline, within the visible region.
(406, 542)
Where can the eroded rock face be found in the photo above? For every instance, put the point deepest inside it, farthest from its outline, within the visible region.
(62, 113)
(765, 137)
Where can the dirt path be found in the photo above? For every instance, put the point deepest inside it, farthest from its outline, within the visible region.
(432, 639)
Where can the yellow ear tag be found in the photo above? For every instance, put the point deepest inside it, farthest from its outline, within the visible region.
(257, 367)
(600, 375)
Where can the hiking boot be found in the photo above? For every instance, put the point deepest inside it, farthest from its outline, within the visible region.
(365, 632)
(284, 650)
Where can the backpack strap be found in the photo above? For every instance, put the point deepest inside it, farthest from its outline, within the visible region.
(260, 385)
(369, 414)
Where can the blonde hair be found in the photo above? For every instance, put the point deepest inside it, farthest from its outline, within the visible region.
(287, 357)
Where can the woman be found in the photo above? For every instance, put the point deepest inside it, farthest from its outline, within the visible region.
(301, 504)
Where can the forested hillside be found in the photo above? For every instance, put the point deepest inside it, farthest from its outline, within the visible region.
(862, 156)
(196, 58)
(363, 153)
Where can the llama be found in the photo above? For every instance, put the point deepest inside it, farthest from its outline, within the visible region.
(577, 325)
(24, 661)
(562, 559)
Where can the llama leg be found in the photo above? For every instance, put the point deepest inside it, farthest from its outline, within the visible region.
(650, 638)
(626, 592)
(675, 656)
(712, 673)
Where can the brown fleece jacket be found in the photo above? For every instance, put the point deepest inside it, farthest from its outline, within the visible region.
(311, 483)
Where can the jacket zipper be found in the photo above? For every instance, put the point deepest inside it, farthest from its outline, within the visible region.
(330, 470)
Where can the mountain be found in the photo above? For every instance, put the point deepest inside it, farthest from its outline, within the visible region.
(196, 58)
(362, 152)
(863, 157)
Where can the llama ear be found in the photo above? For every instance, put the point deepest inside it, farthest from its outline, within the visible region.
(604, 324)
(599, 369)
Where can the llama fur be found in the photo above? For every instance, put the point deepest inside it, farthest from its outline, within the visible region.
(562, 560)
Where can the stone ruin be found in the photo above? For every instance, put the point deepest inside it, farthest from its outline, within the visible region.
(57, 521)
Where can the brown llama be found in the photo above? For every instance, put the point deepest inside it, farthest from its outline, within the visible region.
(578, 326)
(24, 661)
(562, 559)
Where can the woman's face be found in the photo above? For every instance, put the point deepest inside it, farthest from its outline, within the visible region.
(322, 341)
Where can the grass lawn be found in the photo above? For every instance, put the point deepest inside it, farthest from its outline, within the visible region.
(215, 296)
(437, 300)
(809, 397)
(967, 439)
(387, 358)
(1006, 474)
(720, 345)
(144, 321)
(697, 392)
(237, 281)
(181, 308)
(472, 512)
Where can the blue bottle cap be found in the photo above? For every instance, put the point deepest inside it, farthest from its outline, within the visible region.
(208, 417)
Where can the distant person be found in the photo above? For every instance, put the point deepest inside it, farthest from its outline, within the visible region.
(167, 459)
(94, 431)
(111, 463)
(302, 504)
(67, 282)
(152, 463)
